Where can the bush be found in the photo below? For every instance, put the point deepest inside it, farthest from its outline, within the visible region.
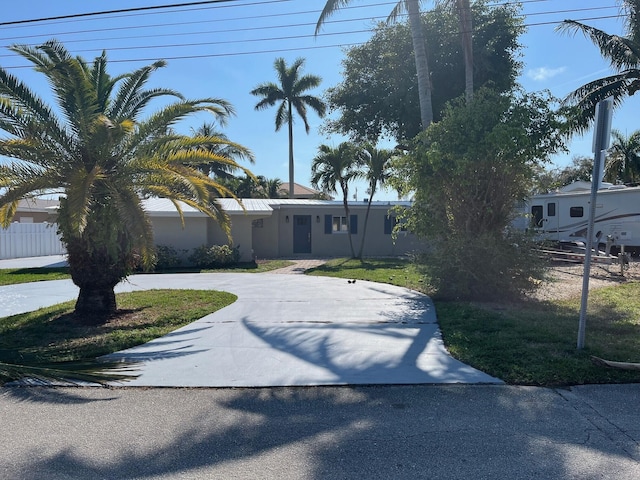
(215, 256)
(166, 257)
(484, 268)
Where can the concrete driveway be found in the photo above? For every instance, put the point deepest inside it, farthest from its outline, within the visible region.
(284, 330)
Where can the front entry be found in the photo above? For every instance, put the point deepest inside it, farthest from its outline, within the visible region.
(302, 234)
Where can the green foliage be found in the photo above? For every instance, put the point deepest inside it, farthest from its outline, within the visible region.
(623, 158)
(379, 93)
(95, 150)
(166, 257)
(215, 256)
(622, 52)
(467, 173)
(580, 169)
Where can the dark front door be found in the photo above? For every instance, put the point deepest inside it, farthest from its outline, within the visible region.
(302, 234)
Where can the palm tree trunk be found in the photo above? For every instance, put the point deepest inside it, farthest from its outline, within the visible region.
(345, 202)
(366, 220)
(291, 176)
(466, 33)
(422, 63)
(95, 303)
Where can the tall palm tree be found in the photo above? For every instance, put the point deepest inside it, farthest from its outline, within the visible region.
(465, 20)
(334, 167)
(96, 152)
(289, 92)
(623, 158)
(622, 52)
(224, 149)
(376, 172)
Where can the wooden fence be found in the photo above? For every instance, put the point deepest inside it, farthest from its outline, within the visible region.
(22, 240)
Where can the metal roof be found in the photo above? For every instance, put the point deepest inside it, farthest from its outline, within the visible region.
(253, 206)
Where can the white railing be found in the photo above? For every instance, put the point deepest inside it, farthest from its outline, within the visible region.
(22, 240)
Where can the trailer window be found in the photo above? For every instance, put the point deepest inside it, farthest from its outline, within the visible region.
(576, 212)
(536, 216)
(551, 209)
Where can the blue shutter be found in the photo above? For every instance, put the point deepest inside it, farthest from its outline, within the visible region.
(353, 220)
(328, 224)
(388, 225)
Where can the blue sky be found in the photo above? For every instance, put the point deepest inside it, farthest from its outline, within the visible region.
(226, 49)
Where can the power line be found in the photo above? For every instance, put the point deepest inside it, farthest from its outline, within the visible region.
(290, 37)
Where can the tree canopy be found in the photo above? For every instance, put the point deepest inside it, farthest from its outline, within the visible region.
(378, 94)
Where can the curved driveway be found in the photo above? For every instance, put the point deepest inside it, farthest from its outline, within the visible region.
(283, 330)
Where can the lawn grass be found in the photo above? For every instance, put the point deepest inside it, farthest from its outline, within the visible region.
(55, 334)
(395, 271)
(529, 343)
(26, 275)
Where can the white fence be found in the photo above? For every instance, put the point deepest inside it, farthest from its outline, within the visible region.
(22, 240)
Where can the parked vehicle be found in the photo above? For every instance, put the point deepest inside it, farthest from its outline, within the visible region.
(562, 216)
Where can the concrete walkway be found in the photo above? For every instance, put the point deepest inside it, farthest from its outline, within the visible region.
(284, 330)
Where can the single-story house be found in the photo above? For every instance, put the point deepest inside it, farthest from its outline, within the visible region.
(36, 210)
(271, 228)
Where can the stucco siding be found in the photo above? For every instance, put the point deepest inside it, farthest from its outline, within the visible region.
(169, 231)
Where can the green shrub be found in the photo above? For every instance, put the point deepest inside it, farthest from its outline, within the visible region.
(166, 257)
(215, 256)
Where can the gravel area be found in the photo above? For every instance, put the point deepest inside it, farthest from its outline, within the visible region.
(566, 279)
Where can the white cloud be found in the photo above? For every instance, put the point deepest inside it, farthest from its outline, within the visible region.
(544, 73)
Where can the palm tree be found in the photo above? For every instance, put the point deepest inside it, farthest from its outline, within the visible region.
(377, 172)
(419, 49)
(623, 53)
(272, 187)
(623, 158)
(334, 167)
(95, 151)
(290, 93)
(225, 150)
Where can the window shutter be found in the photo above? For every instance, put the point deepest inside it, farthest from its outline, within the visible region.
(353, 220)
(328, 224)
(388, 225)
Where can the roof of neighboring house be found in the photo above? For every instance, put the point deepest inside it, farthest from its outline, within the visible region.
(38, 205)
(299, 191)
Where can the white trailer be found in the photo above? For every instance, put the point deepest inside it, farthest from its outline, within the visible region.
(562, 216)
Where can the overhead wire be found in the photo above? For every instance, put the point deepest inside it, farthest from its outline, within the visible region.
(135, 11)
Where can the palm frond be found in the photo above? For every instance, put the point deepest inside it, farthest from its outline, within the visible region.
(69, 373)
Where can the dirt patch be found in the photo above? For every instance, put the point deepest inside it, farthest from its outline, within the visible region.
(566, 279)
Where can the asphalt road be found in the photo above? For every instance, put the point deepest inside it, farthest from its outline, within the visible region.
(377, 432)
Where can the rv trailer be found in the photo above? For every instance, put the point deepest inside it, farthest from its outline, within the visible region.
(562, 216)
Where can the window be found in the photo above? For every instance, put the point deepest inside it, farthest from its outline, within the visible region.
(257, 223)
(339, 224)
(551, 209)
(389, 224)
(576, 212)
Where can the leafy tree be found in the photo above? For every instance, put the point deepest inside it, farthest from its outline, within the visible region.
(376, 164)
(622, 52)
(378, 95)
(289, 93)
(225, 149)
(334, 167)
(623, 158)
(421, 60)
(95, 151)
(467, 172)
(272, 187)
(580, 169)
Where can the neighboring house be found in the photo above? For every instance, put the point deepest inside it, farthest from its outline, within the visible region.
(268, 228)
(36, 210)
(302, 192)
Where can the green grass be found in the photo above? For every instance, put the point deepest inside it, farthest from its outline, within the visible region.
(394, 271)
(530, 343)
(55, 334)
(27, 275)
